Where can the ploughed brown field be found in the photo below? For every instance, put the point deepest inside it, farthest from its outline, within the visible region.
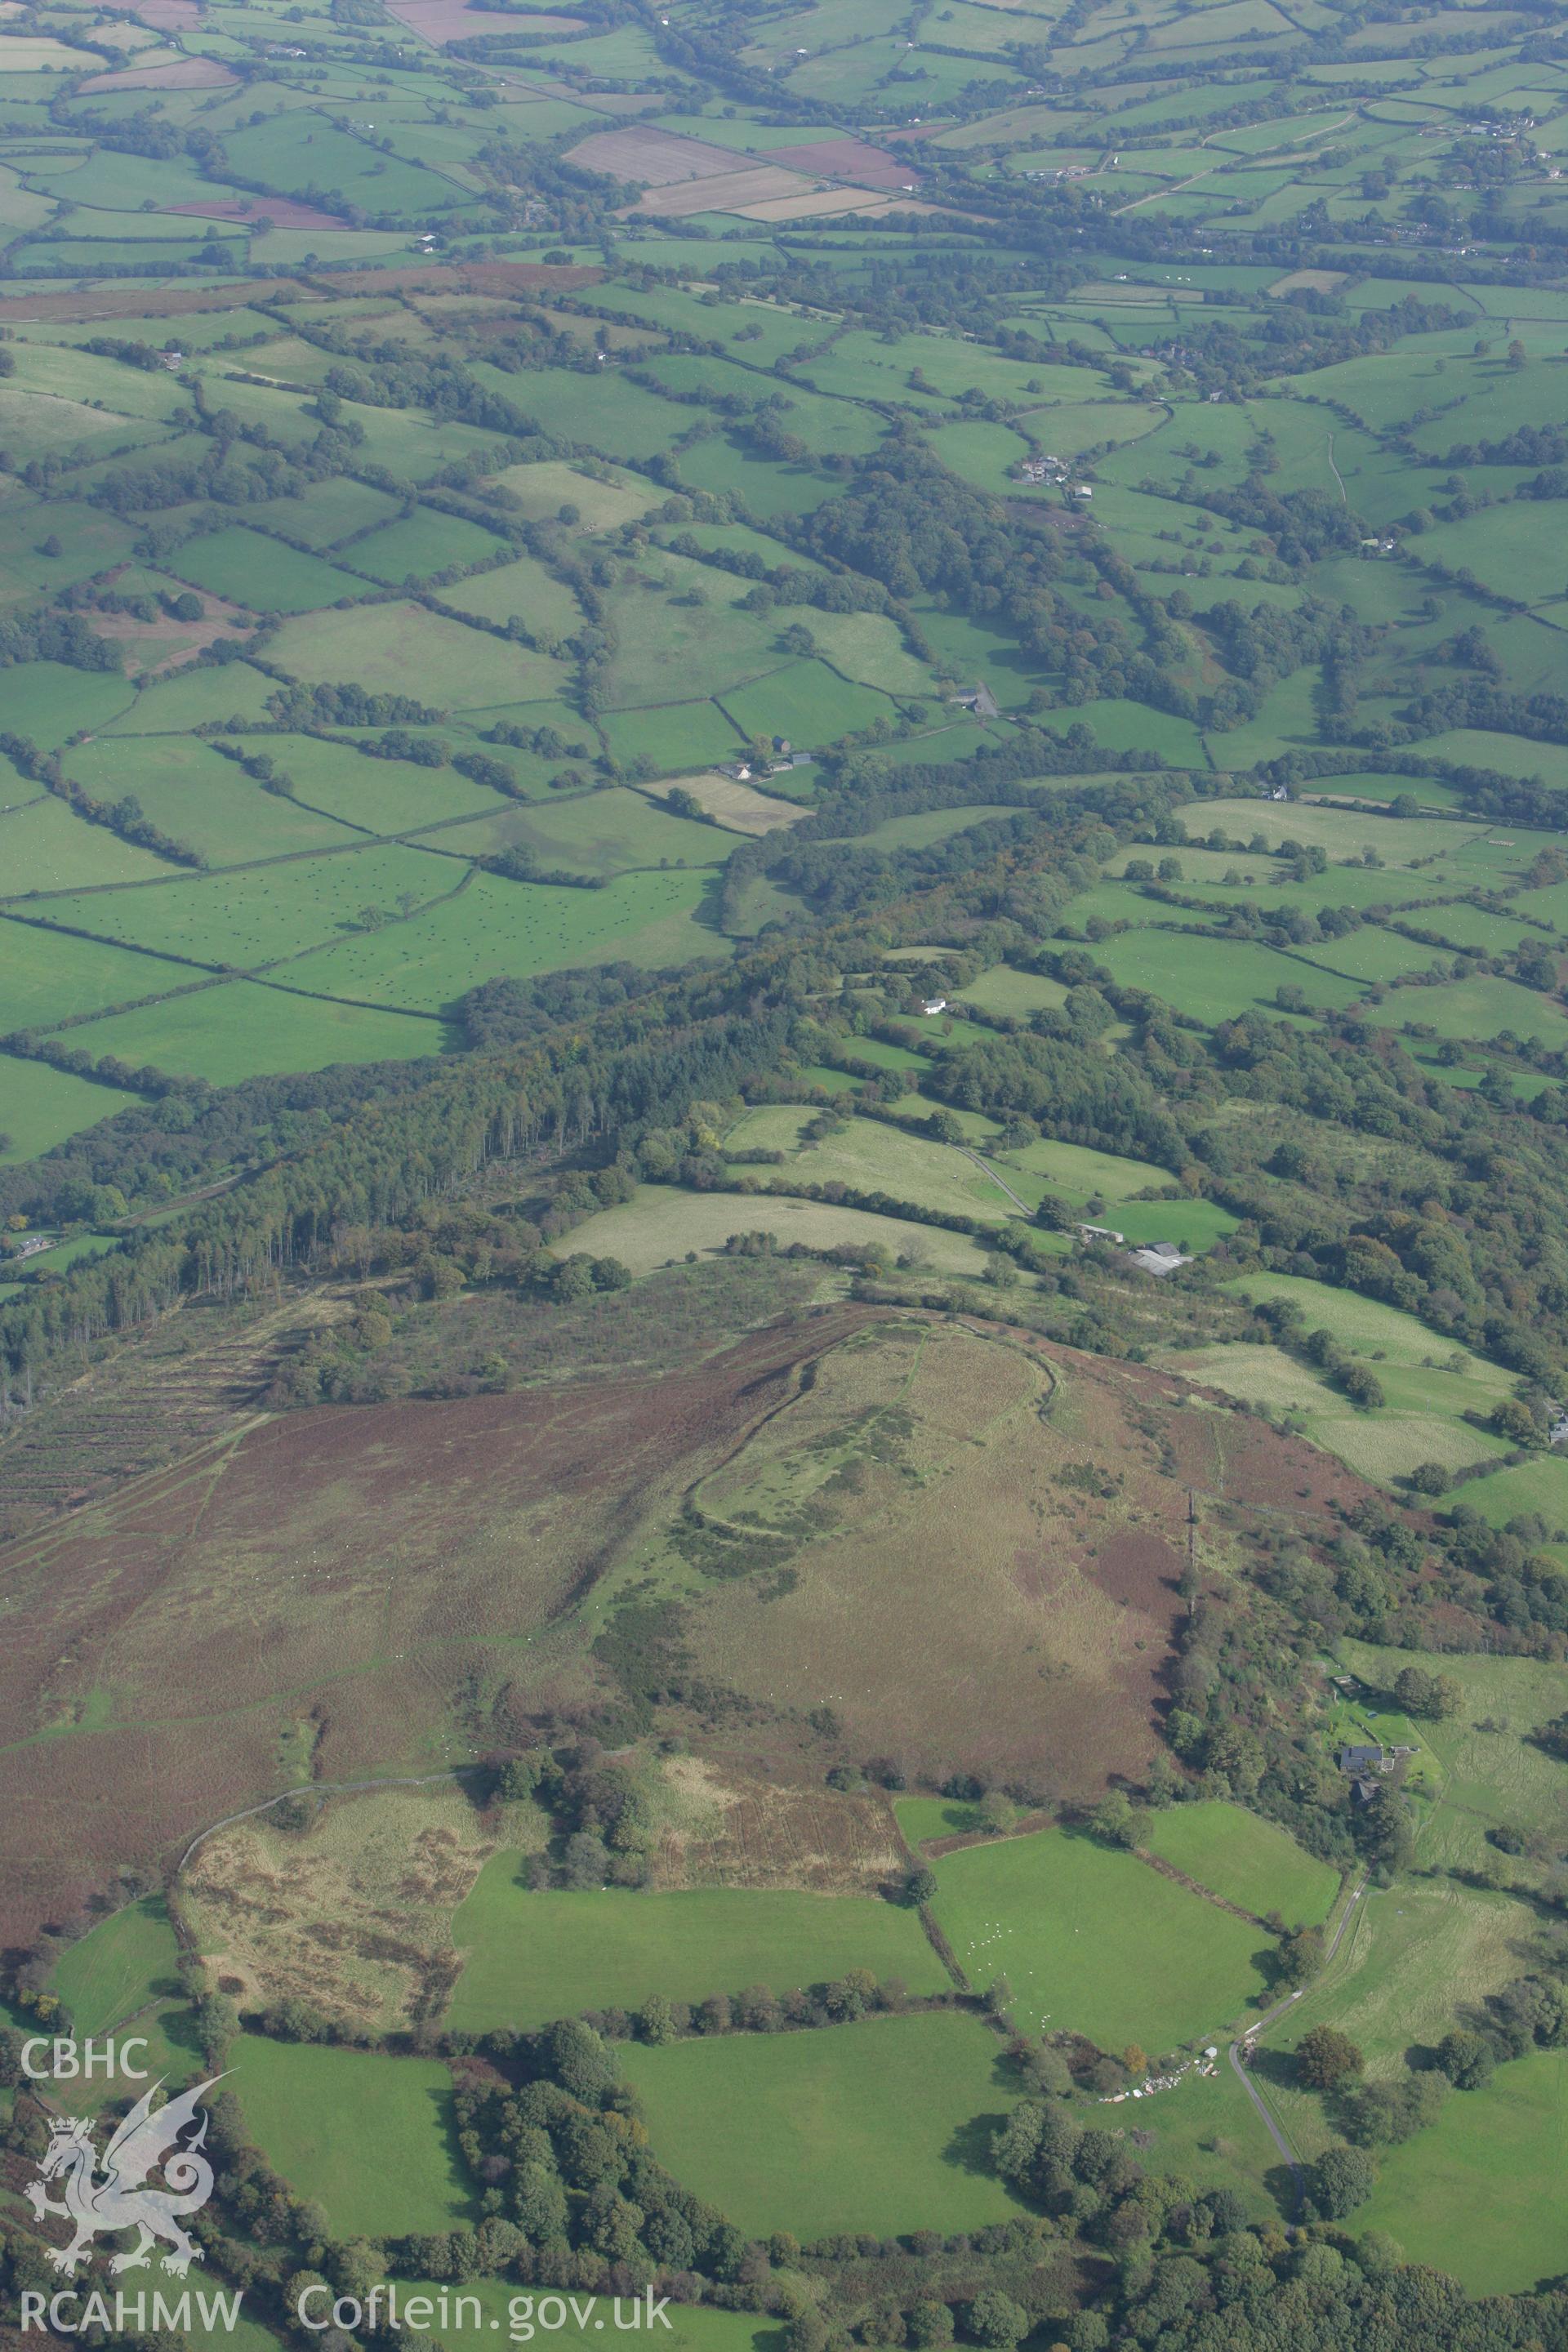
(895, 1518)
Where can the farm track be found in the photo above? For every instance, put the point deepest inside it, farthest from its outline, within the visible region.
(1354, 1910)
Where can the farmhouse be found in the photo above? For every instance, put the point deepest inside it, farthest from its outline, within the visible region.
(1159, 1257)
(1358, 1760)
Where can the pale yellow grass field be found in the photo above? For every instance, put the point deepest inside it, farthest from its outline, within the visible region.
(735, 806)
(662, 1225)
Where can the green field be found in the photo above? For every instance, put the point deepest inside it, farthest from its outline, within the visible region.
(238, 1029)
(923, 1818)
(119, 1968)
(48, 702)
(1476, 2194)
(1249, 1861)
(1072, 1923)
(262, 574)
(1539, 1486)
(369, 2138)
(45, 846)
(531, 1956)
(420, 543)
(423, 963)
(880, 2126)
(610, 832)
(384, 647)
(46, 975)
(663, 1224)
(1489, 1776)
(1421, 1422)
(263, 914)
(872, 1156)
(806, 702)
(40, 1106)
(1370, 1328)
(1217, 980)
(1014, 993)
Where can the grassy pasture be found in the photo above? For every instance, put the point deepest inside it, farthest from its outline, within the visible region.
(1214, 979)
(879, 2127)
(1245, 1858)
(1474, 1008)
(46, 976)
(924, 825)
(1119, 725)
(198, 797)
(193, 696)
(1492, 1773)
(768, 486)
(533, 1956)
(1081, 1173)
(89, 540)
(1513, 549)
(368, 2137)
(238, 1029)
(1373, 956)
(612, 831)
(1478, 2194)
(497, 926)
(1412, 1953)
(384, 647)
(1071, 1925)
(1368, 1329)
(377, 797)
(1207, 2130)
(1015, 993)
(118, 1968)
(618, 419)
(663, 1224)
(873, 1158)
(1341, 833)
(545, 604)
(40, 1106)
(806, 702)
(925, 1818)
(674, 735)
(542, 490)
(260, 574)
(45, 846)
(293, 152)
(417, 544)
(866, 646)
(1539, 1486)
(331, 511)
(45, 701)
(262, 914)
(1419, 1423)
(661, 641)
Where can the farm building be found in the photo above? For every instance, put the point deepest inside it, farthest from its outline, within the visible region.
(1159, 1257)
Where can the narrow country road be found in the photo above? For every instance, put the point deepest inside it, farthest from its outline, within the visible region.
(987, 1169)
(1248, 2041)
(314, 1789)
(1345, 494)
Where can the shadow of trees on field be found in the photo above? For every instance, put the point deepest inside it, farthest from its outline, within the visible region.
(968, 2147)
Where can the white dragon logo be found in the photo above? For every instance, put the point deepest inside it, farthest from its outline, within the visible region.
(121, 2201)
